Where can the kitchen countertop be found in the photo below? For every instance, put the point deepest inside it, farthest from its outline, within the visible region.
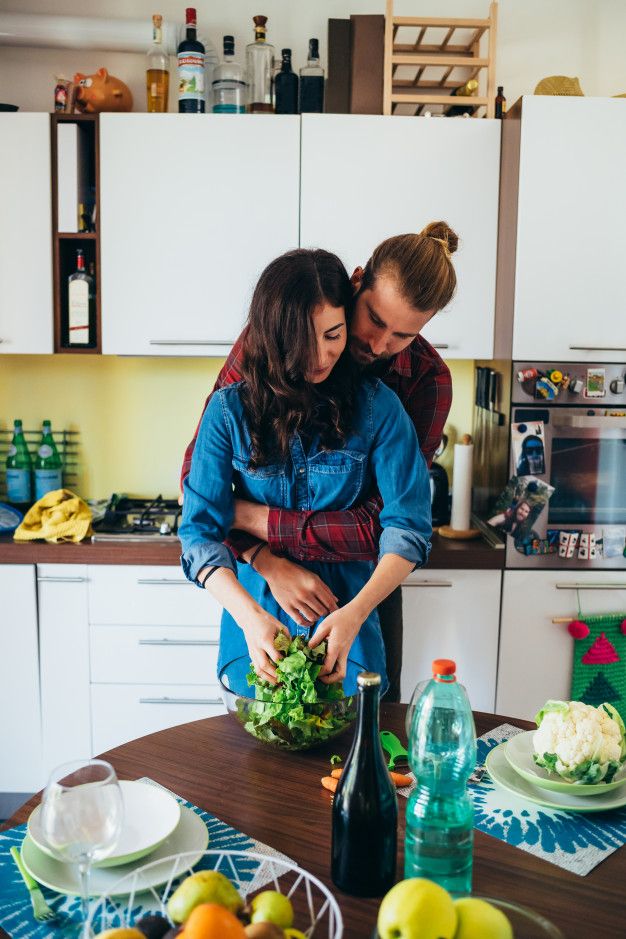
(447, 554)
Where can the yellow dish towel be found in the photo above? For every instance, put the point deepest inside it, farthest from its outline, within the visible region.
(60, 515)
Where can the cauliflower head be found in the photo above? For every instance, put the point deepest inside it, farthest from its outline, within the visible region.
(581, 743)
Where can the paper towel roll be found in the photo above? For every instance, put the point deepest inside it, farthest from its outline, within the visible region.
(462, 486)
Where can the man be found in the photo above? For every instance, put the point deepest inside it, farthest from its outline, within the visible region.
(405, 282)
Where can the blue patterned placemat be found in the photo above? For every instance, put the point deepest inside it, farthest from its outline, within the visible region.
(575, 841)
(16, 916)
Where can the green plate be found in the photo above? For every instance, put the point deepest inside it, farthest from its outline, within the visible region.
(519, 753)
(505, 776)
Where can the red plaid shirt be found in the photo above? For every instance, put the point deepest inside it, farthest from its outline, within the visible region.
(422, 381)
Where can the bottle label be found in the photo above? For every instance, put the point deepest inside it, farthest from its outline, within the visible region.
(12, 450)
(190, 76)
(45, 450)
(78, 311)
(18, 485)
(47, 481)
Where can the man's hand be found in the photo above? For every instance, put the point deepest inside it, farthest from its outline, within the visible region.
(252, 518)
(341, 629)
(301, 594)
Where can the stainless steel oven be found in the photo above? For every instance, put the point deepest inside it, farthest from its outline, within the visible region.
(568, 432)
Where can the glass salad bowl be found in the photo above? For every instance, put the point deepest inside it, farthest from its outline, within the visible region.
(291, 716)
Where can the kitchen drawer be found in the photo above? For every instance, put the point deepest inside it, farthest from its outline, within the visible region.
(120, 713)
(148, 596)
(154, 654)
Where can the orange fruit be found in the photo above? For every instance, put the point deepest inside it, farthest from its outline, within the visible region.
(211, 921)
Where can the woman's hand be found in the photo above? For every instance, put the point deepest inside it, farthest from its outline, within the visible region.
(260, 631)
(299, 592)
(341, 629)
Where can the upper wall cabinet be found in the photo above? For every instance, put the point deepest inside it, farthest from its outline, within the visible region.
(569, 291)
(25, 234)
(193, 207)
(365, 178)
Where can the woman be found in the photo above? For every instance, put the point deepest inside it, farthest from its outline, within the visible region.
(303, 430)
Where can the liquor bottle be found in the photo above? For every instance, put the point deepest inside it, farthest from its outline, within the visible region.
(365, 807)
(81, 305)
(500, 102)
(439, 814)
(259, 60)
(286, 87)
(229, 83)
(312, 82)
(190, 55)
(19, 469)
(48, 466)
(158, 71)
(463, 91)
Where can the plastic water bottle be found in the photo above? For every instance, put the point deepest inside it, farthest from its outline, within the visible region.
(440, 814)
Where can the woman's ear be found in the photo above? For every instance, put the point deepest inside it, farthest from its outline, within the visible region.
(357, 279)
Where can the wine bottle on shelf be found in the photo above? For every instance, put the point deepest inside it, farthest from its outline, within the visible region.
(81, 305)
(468, 90)
(229, 83)
(191, 54)
(158, 71)
(312, 82)
(286, 87)
(48, 465)
(500, 103)
(365, 807)
(259, 62)
(19, 469)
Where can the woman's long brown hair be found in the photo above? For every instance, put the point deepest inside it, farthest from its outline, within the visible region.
(279, 349)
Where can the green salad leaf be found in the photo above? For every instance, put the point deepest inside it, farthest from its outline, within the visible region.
(301, 711)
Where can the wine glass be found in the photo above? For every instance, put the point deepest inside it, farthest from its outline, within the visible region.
(82, 814)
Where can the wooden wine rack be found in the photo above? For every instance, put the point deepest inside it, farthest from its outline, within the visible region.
(443, 55)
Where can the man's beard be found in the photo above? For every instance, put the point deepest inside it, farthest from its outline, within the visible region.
(376, 367)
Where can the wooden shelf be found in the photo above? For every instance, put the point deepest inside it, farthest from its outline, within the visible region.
(77, 235)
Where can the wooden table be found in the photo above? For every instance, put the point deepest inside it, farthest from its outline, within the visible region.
(277, 798)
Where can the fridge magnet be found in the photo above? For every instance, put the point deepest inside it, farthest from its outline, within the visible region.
(596, 378)
(613, 539)
(528, 449)
(518, 507)
(568, 542)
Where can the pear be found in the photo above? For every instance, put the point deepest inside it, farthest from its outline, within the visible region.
(202, 887)
(270, 906)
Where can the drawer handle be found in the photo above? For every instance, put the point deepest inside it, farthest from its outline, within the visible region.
(590, 587)
(440, 345)
(179, 642)
(599, 348)
(429, 583)
(180, 701)
(62, 580)
(190, 342)
(165, 581)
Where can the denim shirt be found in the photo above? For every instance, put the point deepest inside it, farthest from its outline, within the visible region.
(381, 450)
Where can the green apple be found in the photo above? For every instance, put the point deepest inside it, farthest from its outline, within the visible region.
(480, 920)
(270, 906)
(417, 908)
(202, 887)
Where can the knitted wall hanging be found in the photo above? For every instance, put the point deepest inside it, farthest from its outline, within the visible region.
(599, 668)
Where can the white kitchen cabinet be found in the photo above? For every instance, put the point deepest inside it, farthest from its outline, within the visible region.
(64, 651)
(365, 178)
(20, 724)
(192, 209)
(25, 234)
(454, 615)
(570, 293)
(535, 661)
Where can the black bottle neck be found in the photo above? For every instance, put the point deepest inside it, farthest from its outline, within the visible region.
(366, 737)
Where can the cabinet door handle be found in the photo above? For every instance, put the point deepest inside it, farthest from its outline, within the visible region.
(180, 701)
(440, 345)
(429, 583)
(179, 642)
(165, 581)
(190, 342)
(590, 586)
(62, 580)
(599, 348)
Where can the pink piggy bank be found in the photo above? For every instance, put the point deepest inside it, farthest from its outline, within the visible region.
(101, 92)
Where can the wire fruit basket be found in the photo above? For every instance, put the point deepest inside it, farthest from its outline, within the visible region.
(316, 911)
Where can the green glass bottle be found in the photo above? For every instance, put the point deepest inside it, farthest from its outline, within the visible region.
(19, 469)
(48, 466)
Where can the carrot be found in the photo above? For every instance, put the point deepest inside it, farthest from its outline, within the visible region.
(400, 780)
(329, 782)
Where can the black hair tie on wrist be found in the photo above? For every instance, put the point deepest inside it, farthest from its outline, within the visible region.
(254, 554)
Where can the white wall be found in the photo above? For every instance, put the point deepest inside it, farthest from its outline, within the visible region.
(583, 38)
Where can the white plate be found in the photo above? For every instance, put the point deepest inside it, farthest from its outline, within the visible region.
(191, 834)
(519, 752)
(504, 775)
(150, 815)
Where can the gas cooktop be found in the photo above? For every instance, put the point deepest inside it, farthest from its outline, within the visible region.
(129, 519)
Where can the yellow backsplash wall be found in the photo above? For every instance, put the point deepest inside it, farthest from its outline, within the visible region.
(136, 415)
